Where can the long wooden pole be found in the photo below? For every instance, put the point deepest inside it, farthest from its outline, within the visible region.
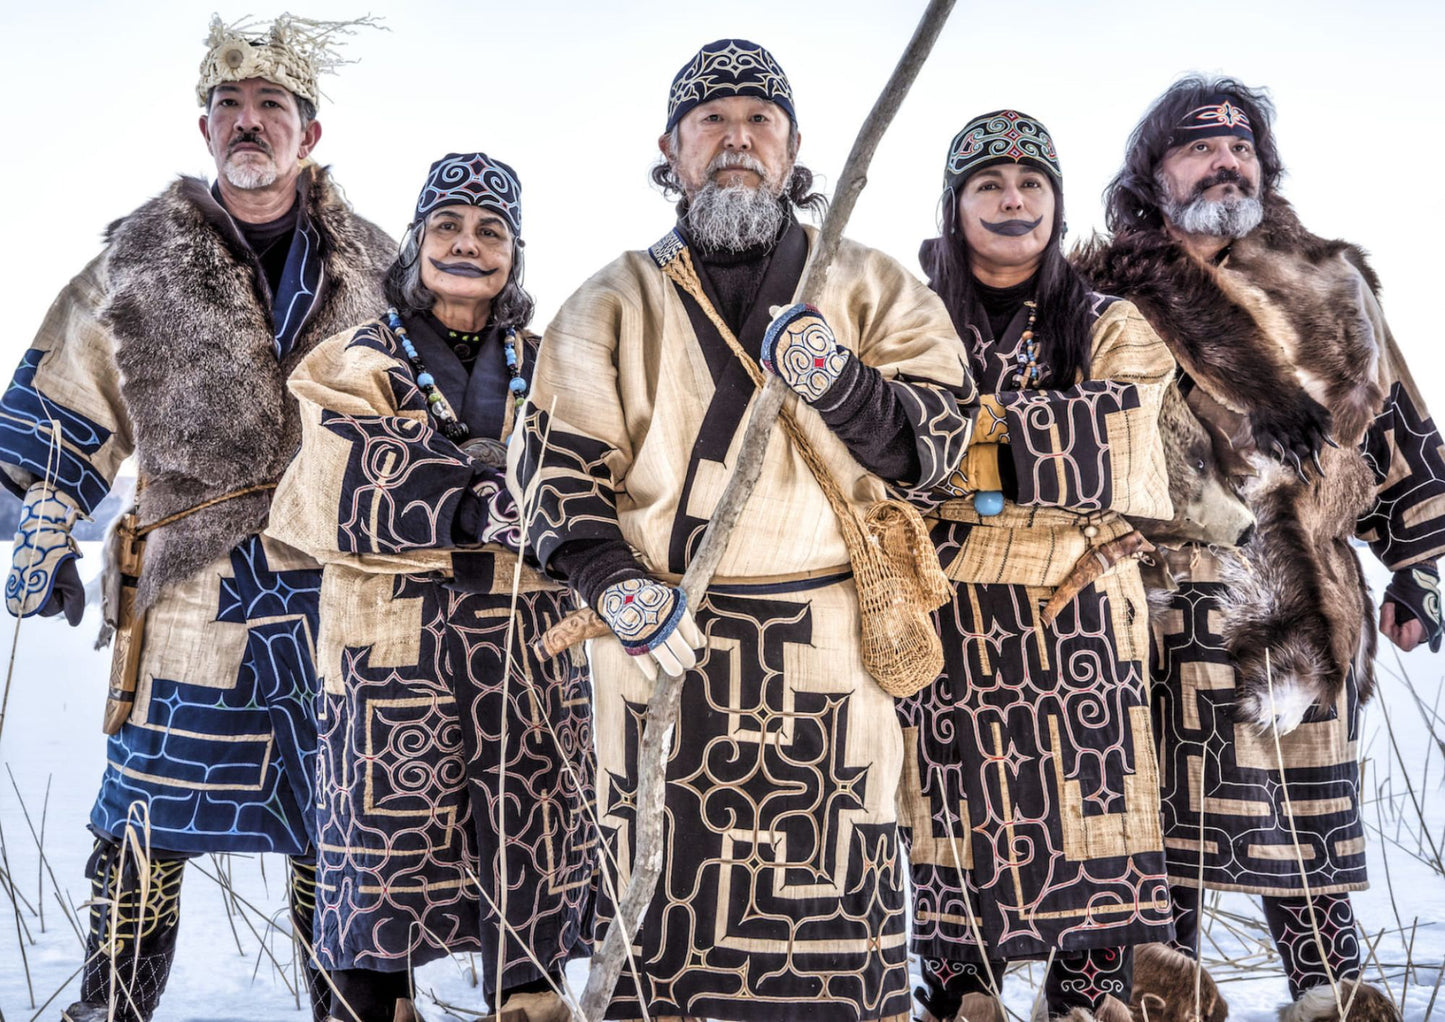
(656, 743)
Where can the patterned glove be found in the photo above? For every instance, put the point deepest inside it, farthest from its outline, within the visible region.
(652, 618)
(43, 577)
(800, 347)
(1415, 591)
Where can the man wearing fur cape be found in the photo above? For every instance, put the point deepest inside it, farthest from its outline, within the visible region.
(174, 345)
(1264, 658)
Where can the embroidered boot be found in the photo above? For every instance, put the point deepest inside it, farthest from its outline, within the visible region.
(1362, 1003)
(1164, 988)
(134, 917)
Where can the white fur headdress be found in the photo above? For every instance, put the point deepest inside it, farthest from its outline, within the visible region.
(292, 53)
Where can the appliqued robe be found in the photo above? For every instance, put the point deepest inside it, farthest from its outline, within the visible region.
(455, 770)
(782, 890)
(166, 347)
(1032, 789)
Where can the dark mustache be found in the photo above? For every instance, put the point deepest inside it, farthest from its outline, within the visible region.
(1011, 228)
(1225, 176)
(251, 137)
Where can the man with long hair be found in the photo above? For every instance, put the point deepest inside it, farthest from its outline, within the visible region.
(1264, 656)
(780, 893)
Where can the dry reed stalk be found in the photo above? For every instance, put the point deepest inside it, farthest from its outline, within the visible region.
(44, 863)
(1410, 787)
(1299, 853)
(10, 889)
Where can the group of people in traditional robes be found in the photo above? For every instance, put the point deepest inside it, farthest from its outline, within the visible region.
(367, 490)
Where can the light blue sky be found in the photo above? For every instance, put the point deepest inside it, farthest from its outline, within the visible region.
(100, 112)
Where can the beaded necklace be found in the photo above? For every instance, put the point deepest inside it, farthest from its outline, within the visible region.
(1028, 358)
(453, 428)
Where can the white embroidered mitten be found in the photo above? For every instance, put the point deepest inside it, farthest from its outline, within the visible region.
(653, 623)
(43, 576)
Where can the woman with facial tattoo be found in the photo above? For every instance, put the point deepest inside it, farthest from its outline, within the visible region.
(455, 766)
(1034, 803)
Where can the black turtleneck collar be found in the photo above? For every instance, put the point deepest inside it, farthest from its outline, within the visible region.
(735, 276)
(1000, 304)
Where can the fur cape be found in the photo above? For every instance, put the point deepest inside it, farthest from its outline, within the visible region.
(189, 309)
(1279, 340)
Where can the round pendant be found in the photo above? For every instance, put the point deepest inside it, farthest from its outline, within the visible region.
(988, 502)
(487, 451)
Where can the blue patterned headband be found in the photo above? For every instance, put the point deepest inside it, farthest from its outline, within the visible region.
(472, 179)
(728, 67)
(1218, 115)
(1004, 136)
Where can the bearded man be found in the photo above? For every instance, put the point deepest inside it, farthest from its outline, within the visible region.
(1264, 659)
(781, 890)
(174, 345)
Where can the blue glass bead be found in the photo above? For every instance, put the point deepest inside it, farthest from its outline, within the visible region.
(517, 385)
(988, 502)
(425, 380)
(511, 355)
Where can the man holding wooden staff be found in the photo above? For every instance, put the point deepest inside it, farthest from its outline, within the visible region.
(781, 884)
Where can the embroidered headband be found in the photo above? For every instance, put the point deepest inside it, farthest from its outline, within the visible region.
(472, 179)
(292, 53)
(728, 67)
(1218, 116)
(1004, 136)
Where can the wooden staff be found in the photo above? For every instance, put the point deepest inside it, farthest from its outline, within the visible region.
(656, 741)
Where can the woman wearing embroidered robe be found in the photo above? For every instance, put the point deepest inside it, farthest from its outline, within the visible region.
(435, 715)
(1034, 808)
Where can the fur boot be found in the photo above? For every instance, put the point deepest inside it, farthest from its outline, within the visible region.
(532, 1006)
(1363, 1003)
(1110, 1010)
(1164, 988)
(980, 1008)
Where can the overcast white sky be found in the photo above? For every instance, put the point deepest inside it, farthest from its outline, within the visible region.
(98, 112)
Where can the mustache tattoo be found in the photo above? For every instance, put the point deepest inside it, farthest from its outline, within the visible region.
(1011, 228)
(462, 269)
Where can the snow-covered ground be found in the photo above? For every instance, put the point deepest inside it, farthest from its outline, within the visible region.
(233, 966)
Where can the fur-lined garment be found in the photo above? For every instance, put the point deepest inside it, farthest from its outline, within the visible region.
(1285, 321)
(1284, 331)
(200, 380)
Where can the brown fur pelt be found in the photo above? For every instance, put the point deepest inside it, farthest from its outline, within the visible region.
(188, 306)
(1362, 1003)
(1111, 1009)
(1281, 326)
(1164, 988)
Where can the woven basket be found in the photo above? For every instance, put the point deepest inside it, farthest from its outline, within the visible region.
(899, 584)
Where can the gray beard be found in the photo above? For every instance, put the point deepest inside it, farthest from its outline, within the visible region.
(733, 219)
(1219, 218)
(249, 176)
